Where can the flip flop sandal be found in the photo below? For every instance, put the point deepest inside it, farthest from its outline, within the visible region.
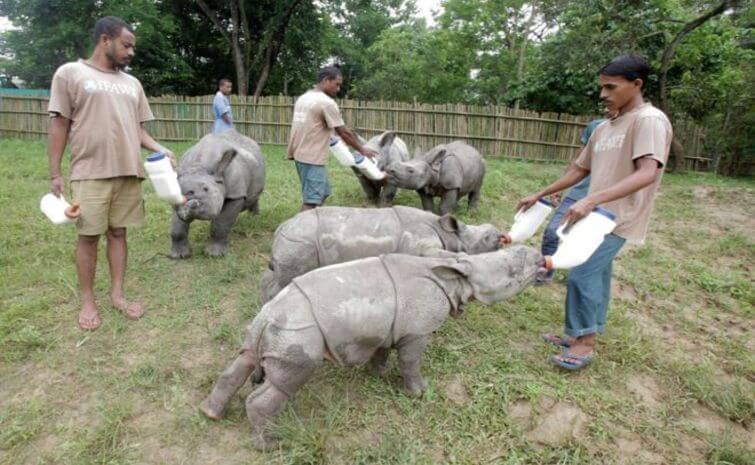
(570, 361)
(558, 341)
(125, 310)
(89, 324)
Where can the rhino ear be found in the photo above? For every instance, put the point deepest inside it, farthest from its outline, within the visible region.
(459, 270)
(387, 139)
(449, 223)
(437, 157)
(225, 160)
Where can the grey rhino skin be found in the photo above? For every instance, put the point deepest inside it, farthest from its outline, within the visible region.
(353, 313)
(328, 235)
(391, 149)
(221, 176)
(448, 171)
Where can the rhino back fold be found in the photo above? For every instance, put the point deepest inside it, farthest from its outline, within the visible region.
(448, 240)
(343, 234)
(277, 323)
(422, 303)
(354, 305)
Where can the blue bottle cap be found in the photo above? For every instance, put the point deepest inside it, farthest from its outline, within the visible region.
(333, 141)
(608, 214)
(545, 202)
(358, 157)
(155, 156)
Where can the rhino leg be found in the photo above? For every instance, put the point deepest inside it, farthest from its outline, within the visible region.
(226, 386)
(387, 195)
(284, 376)
(370, 189)
(179, 235)
(427, 201)
(410, 350)
(221, 227)
(379, 362)
(254, 208)
(449, 201)
(474, 198)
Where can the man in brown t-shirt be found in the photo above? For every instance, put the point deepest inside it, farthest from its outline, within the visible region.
(316, 118)
(100, 110)
(625, 157)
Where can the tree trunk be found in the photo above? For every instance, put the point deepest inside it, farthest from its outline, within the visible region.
(668, 52)
(239, 63)
(273, 47)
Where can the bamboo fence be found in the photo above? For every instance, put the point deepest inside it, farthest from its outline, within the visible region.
(493, 130)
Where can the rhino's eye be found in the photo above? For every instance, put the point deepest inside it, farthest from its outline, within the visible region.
(204, 188)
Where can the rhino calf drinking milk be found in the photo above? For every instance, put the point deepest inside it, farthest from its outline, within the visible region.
(448, 171)
(353, 313)
(329, 235)
(391, 149)
(221, 176)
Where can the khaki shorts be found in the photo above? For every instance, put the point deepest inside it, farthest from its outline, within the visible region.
(108, 203)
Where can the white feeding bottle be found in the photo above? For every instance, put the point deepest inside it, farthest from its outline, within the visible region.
(341, 152)
(57, 210)
(368, 167)
(164, 178)
(581, 240)
(527, 222)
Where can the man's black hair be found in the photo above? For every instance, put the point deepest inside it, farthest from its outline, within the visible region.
(222, 81)
(629, 66)
(110, 25)
(328, 72)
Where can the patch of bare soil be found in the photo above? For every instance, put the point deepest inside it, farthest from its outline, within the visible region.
(455, 391)
(520, 413)
(645, 389)
(629, 448)
(561, 424)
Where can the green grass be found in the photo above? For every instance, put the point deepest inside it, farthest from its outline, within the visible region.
(680, 337)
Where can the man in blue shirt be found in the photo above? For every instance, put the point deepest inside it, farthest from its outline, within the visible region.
(221, 107)
(577, 193)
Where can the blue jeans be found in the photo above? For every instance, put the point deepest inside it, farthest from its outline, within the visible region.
(588, 290)
(550, 239)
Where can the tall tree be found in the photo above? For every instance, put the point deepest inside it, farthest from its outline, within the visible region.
(255, 33)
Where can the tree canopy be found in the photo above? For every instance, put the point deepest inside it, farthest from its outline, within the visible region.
(541, 55)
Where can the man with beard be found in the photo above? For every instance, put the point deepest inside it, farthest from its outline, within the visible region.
(316, 117)
(101, 109)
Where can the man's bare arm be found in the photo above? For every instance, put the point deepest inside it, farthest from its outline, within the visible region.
(572, 176)
(146, 141)
(348, 136)
(57, 136)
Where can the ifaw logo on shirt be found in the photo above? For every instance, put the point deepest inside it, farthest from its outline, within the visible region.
(609, 143)
(91, 86)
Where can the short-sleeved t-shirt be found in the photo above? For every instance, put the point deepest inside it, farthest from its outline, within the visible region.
(315, 116)
(220, 106)
(579, 191)
(106, 109)
(610, 155)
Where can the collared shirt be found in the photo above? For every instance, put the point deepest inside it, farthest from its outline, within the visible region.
(221, 106)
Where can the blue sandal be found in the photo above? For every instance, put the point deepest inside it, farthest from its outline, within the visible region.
(570, 361)
(558, 341)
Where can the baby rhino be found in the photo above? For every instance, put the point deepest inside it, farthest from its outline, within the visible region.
(353, 313)
(221, 176)
(329, 235)
(448, 171)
